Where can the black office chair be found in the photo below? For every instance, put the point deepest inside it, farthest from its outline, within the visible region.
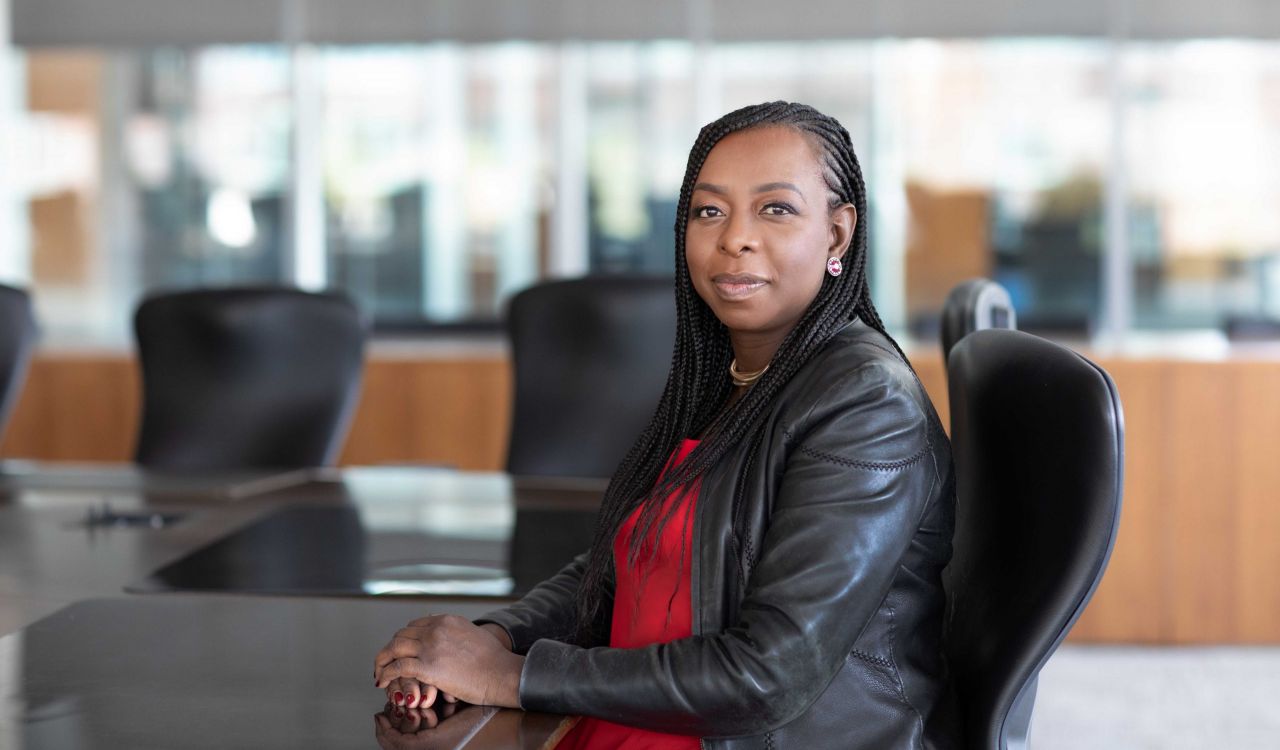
(1038, 440)
(247, 378)
(17, 340)
(975, 305)
(591, 359)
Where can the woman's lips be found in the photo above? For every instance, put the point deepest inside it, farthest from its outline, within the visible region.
(736, 286)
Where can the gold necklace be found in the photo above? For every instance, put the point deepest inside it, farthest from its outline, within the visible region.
(744, 378)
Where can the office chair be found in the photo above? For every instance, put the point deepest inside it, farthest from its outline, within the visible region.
(17, 340)
(975, 305)
(246, 378)
(591, 359)
(1037, 434)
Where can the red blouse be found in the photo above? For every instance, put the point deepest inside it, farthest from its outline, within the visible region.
(652, 603)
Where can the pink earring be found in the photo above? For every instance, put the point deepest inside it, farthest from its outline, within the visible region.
(834, 266)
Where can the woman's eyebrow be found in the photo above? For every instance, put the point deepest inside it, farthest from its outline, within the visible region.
(766, 187)
(778, 186)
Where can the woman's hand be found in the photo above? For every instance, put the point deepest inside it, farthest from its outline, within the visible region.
(450, 654)
(407, 692)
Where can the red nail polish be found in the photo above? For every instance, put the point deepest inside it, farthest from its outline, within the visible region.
(410, 700)
(397, 698)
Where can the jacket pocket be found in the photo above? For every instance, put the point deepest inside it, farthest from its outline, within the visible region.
(886, 669)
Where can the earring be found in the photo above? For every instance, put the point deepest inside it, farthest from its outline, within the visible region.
(834, 266)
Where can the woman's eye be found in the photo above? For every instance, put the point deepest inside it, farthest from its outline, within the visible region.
(777, 209)
(706, 212)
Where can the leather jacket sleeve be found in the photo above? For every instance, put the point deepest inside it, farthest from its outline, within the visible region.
(857, 479)
(545, 612)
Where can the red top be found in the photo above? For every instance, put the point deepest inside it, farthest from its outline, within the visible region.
(651, 604)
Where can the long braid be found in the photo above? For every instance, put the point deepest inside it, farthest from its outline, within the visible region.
(698, 384)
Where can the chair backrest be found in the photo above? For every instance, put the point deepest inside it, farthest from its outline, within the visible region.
(17, 340)
(247, 378)
(1037, 435)
(975, 305)
(591, 359)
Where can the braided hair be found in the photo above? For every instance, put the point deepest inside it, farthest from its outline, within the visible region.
(698, 385)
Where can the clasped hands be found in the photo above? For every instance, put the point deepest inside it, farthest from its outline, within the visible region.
(450, 657)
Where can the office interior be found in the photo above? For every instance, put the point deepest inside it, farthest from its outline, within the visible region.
(1111, 164)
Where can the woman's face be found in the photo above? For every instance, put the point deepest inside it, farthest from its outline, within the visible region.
(760, 230)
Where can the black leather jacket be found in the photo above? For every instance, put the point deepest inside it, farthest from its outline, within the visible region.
(834, 641)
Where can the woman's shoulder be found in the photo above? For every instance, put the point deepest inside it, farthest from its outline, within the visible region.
(860, 384)
(858, 345)
(857, 358)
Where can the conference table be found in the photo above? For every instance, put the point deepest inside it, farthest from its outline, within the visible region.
(243, 610)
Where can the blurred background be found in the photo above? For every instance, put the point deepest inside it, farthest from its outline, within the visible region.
(1115, 165)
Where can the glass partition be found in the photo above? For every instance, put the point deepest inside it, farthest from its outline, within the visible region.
(1201, 155)
(445, 176)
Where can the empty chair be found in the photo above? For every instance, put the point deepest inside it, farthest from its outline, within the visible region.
(975, 305)
(247, 378)
(1038, 440)
(17, 339)
(591, 358)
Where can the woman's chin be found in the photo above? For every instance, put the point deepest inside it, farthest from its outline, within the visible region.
(741, 318)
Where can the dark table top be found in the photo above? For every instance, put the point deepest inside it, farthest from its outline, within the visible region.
(224, 670)
(18, 476)
(367, 531)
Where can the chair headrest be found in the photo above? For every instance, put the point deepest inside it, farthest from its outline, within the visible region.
(975, 305)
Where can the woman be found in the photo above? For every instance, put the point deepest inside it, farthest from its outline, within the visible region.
(793, 498)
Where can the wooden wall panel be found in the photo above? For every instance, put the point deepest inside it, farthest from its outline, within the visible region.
(76, 408)
(452, 412)
(1131, 601)
(448, 412)
(933, 376)
(1199, 544)
(382, 430)
(474, 397)
(1257, 502)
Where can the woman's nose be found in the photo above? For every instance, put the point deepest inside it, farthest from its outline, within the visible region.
(739, 235)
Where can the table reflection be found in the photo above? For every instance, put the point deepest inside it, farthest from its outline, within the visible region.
(473, 727)
(443, 727)
(380, 533)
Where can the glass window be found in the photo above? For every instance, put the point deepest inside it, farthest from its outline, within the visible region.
(150, 169)
(56, 178)
(435, 165)
(640, 105)
(1203, 121)
(433, 180)
(1002, 147)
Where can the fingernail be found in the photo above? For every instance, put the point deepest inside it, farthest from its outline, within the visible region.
(398, 698)
(412, 700)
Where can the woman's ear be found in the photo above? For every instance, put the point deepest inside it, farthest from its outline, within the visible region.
(844, 218)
